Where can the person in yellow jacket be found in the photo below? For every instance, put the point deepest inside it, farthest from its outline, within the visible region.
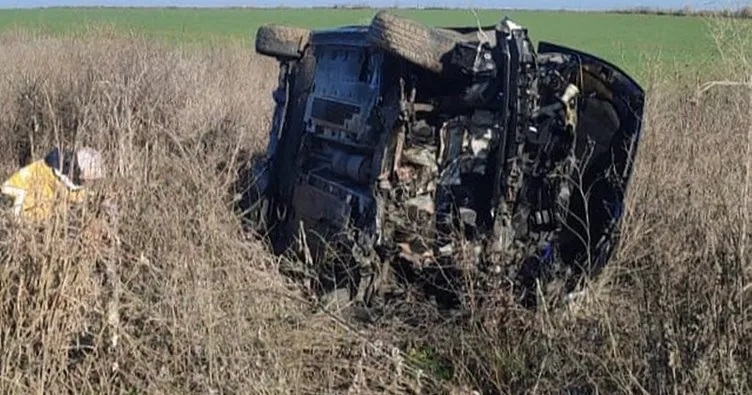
(56, 182)
(41, 188)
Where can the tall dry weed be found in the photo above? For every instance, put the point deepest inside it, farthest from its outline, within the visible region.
(203, 309)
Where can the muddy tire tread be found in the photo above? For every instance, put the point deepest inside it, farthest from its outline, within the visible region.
(411, 40)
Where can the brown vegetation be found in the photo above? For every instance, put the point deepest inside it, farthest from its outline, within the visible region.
(204, 309)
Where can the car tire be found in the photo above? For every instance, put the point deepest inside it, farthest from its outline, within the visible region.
(282, 41)
(411, 40)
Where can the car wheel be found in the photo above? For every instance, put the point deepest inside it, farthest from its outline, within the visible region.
(411, 40)
(282, 41)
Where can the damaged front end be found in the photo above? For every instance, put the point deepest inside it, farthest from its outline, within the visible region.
(402, 153)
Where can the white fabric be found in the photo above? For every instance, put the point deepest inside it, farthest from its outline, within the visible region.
(91, 164)
(67, 181)
(18, 194)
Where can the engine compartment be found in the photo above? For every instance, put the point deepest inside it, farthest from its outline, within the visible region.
(408, 158)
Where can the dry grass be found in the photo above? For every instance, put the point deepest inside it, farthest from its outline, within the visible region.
(204, 310)
(203, 307)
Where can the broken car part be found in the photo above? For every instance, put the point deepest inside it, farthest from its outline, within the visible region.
(443, 150)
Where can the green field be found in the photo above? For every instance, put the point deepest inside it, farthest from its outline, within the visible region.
(637, 42)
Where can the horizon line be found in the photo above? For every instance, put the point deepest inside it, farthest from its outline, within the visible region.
(359, 7)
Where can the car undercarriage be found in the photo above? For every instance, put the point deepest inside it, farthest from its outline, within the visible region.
(401, 154)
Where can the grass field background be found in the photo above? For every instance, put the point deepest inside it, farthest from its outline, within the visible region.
(203, 306)
(635, 42)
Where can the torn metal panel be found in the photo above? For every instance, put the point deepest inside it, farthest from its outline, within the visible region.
(452, 145)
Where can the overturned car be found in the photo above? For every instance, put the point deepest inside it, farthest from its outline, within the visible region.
(406, 154)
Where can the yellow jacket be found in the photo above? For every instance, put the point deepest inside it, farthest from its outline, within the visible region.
(40, 190)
